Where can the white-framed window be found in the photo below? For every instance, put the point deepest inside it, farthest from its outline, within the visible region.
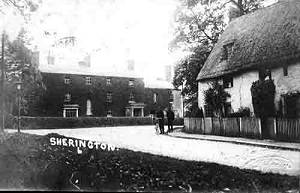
(109, 97)
(71, 112)
(67, 80)
(131, 97)
(109, 113)
(155, 97)
(67, 97)
(88, 80)
(131, 83)
(108, 81)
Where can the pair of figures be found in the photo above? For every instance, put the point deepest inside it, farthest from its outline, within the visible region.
(160, 119)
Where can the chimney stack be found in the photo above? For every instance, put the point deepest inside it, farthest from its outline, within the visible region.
(130, 65)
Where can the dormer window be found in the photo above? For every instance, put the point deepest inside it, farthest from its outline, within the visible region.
(227, 51)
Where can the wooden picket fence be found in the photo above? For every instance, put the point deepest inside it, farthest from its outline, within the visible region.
(249, 127)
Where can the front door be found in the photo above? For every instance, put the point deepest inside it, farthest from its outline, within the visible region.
(137, 112)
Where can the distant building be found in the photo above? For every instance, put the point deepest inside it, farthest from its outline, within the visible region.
(161, 94)
(75, 88)
(73, 95)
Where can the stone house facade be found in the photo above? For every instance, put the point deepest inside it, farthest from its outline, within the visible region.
(74, 95)
(266, 41)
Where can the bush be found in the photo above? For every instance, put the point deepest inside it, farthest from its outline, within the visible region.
(263, 95)
(80, 122)
(242, 112)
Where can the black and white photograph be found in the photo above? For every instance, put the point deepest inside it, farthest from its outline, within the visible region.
(150, 96)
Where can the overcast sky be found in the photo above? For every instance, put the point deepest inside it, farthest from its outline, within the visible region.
(118, 29)
(121, 29)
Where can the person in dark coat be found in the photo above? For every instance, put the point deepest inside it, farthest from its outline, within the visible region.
(160, 117)
(170, 117)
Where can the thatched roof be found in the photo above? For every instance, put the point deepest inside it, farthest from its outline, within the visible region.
(265, 38)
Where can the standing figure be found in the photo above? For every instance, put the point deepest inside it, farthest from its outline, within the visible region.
(171, 117)
(160, 117)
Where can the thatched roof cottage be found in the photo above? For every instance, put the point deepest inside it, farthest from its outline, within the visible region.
(265, 40)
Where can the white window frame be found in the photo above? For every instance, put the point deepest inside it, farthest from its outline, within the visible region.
(109, 97)
(109, 113)
(155, 97)
(89, 107)
(108, 81)
(88, 80)
(131, 83)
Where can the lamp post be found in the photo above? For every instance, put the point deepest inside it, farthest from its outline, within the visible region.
(182, 100)
(2, 82)
(19, 87)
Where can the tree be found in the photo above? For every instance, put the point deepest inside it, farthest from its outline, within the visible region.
(263, 96)
(198, 25)
(21, 65)
(186, 72)
(215, 97)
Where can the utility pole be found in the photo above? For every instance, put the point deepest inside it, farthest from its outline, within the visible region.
(2, 84)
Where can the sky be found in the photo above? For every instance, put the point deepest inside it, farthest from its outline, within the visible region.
(114, 30)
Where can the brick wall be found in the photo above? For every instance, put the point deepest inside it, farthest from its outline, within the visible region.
(96, 92)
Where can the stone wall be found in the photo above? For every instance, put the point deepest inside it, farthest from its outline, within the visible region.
(53, 100)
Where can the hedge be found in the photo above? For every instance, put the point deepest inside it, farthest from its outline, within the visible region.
(80, 122)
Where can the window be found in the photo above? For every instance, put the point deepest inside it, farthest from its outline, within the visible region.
(131, 83)
(264, 73)
(108, 81)
(67, 97)
(131, 97)
(155, 97)
(228, 82)
(67, 80)
(109, 113)
(227, 51)
(171, 97)
(285, 71)
(88, 107)
(88, 80)
(109, 97)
